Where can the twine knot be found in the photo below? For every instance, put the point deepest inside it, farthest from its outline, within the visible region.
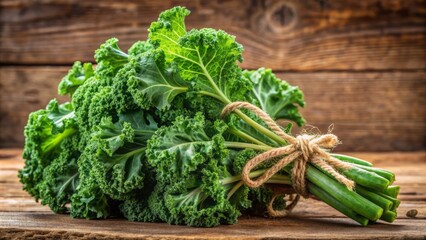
(300, 151)
(304, 145)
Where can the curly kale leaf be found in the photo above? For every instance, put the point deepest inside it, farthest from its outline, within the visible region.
(134, 127)
(51, 151)
(119, 162)
(177, 150)
(61, 177)
(94, 101)
(95, 98)
(203, 206)
(101, 106)
(76, 76)
(110, 57)
(139, 47)
(44, 134)
(82, 101)
(192, 165)
(88, 201)
(168, 29)
(107, 94)
(123, 99)
(275, 96)
(206, 58)
(138, 208)
(153, 83)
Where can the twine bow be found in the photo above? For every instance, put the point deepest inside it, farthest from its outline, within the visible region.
(300, 151)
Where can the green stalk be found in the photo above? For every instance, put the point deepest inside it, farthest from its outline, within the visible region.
(392, 191)
(388, 216)
(280, 179)
(327, 198)
(217, 97)
(395, 201)
(384, 173)
(234, 189)
(283, 178)
(362, 177)
(255, 174)
(341, 193)
(245, 136)
(277, 179)
(383, 202)
(247, 145)
(261, 128)
(367, 179)
(350, 159)
(237, 178)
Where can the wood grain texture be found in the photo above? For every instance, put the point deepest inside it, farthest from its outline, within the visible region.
(50, 226)
(370, 111)
(282, 35)
(22, 218)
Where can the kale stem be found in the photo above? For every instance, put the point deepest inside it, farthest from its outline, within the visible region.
(234, 189)
(238, 177)
(395, 201)
(247, 145)
(367, 179)
(338, 205)
(211, 95)
(350, 159)
(277, 179)
(381, 172)
(261, 128)
(380, 201)
(341, 193)
(392, 191)
(254, 174)
(388, 216)
(245, 136)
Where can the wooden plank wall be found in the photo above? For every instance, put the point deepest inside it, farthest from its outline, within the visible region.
(361, 64)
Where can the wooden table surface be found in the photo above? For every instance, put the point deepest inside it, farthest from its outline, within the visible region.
(22, 217)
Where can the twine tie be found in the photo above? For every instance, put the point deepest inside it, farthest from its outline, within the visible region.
(300, 151)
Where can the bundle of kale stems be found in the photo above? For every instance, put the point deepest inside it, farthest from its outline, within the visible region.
(143, 138)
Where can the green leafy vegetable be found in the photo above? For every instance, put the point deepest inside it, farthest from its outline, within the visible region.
(142, 136)
(275, 96)
(76, 76)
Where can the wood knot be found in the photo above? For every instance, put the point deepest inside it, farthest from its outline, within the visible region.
(282, 16)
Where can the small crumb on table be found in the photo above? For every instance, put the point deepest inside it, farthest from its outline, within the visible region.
(412, 213)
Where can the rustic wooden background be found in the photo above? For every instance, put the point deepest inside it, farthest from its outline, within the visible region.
(361, 64)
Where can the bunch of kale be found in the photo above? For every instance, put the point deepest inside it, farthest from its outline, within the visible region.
(142, 135)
